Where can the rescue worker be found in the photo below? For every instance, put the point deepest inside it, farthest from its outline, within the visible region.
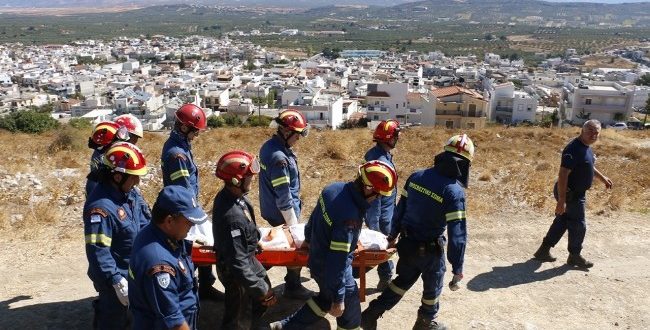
(332, 233)
(132, 124)
(433, 200)
(380, 212)
(161, 272)
(248, 288)
(104, 135)
(110, 226)
(178, 168)
(577, 171)
(279, 187)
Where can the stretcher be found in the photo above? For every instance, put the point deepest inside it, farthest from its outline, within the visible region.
(292, 257)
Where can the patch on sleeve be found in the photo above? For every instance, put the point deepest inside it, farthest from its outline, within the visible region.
(98, 211)
(180, 156)
(121, 213)
(281, 163)
(95, 218)
(161, 269)
(568, 156)
(235, 233)
(163, 280)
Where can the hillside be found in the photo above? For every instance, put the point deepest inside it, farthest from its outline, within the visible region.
(513, 168)
(509, 209)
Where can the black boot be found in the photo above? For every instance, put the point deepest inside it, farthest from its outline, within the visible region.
(579, 261)
(427, 323)
(543, 254)
(369, 318)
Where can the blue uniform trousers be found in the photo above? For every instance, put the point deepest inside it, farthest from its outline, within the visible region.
(414, 262)
(317, 307)
(110, 314)
(573, 221)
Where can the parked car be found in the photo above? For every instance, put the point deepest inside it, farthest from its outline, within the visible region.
(618, 126)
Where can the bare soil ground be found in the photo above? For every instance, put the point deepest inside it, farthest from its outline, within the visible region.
(44, 285)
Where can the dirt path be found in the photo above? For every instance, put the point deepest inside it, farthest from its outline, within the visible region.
(44, 285)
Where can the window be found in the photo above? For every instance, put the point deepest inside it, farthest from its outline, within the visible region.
(587, 101)
(530, 109)
(396, 105)
(449, 124)
(403, 104)
(376, 102)
(520, 107)
(321, 116)
(375, 117)
(471, 125)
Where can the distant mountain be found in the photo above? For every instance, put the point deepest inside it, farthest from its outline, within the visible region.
(117, 3)
(504, 10)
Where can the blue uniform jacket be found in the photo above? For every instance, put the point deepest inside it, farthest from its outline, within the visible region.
(430, 203)
(111, 222)
(279, 181)
(579, 158)
(177, 163)
(162, 288)
(332, 232)
(381, 209)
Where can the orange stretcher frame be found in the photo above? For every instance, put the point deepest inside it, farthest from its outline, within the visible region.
(363, 259)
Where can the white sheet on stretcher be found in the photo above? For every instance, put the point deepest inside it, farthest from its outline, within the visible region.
(369, 239)
(201, 234)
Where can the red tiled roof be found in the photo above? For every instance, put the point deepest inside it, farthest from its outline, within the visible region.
(453, 90)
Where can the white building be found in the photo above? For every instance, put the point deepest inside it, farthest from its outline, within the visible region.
(510, 106)
(396, 101)
(607, 101)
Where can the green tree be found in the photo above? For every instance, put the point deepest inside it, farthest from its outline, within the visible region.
(80, 123)
(28, 121)
(182, 63)
(644, 80)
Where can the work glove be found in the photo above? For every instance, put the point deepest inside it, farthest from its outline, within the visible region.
(455, 282)
(269, 299)
(122, 291)
(200, 239)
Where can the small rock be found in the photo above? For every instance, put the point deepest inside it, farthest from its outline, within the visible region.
(615, 324)
(317, 174)
(17, 218)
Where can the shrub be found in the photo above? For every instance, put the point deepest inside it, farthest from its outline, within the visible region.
(232, 120)
(28, 122)
(68, 139)
(80, 123)
(259, 121)
(215, 121)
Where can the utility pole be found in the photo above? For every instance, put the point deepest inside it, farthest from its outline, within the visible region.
(259, 104)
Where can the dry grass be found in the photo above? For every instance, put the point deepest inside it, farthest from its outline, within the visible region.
(514, 169)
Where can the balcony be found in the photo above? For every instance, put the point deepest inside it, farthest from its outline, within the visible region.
(449, 113)
(504, 109)
(377, 108)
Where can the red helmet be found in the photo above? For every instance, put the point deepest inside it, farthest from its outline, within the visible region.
(126, 158)
(461, 145)
(378, 175)
(108, 132)
(293, 120)
(132, 124)
(236, 165)
(386, 131)
(192, 116)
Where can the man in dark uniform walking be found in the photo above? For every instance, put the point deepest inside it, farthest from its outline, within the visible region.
(577, 171)
(248, 288)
